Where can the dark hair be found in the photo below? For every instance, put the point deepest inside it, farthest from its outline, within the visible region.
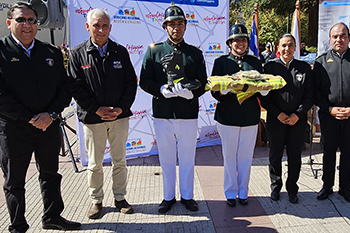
(287, 35)
(341, 23)
(20, 5)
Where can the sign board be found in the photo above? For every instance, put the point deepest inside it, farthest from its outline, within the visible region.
(135, 25)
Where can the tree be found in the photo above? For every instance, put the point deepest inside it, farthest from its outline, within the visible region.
(275, 17)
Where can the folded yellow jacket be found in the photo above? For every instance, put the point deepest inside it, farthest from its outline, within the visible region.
(245, 83)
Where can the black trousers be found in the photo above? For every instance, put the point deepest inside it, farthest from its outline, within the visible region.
(335, 134)
(18, 141)
(281, 135)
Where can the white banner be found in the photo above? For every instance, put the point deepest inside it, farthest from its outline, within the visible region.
(330, 13)
(135, 25)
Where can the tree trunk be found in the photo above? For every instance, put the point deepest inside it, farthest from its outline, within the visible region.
(313, 23)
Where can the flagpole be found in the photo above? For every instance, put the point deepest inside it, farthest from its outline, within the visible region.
(296, 29)
(256, 12)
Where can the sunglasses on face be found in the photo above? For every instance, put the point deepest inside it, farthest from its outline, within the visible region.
(23, 20)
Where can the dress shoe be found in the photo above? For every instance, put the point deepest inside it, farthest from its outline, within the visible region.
(191, 204)
(324, 193)
(346, 194)
(165, 206)
(61, 224)
(231, 202)
(123, 206)
(275, 196)
(94, 211)
(293, 198)
(243, 201)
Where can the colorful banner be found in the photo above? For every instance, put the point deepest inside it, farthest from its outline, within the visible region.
(135, 25)
(330, 13)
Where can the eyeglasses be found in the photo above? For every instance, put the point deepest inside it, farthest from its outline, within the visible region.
(23, 20)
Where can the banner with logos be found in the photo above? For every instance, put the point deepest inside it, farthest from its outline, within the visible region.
(135, 25)
(330, 13)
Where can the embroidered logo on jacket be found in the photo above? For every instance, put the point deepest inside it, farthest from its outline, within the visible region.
(14, 59)
(86, 66)
(330, 60)
(299, 77)
(49, 61)
(117, 65)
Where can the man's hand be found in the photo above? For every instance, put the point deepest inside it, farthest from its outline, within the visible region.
(292, 119)
(340, 113)
(282, 117)
(108, 113)
(182, 92)
(166, 92)
(41, 121)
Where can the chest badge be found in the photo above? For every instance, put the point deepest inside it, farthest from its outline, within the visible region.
(14, 59)
(50, 61)
(117, 65)
(299, 77)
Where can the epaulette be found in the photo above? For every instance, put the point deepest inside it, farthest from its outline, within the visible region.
(321, 55)
(251, 55)
(197, 47)
(154, 44)
(47, 43)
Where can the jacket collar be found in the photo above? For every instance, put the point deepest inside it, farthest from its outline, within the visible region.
(111, 47)
(345, 54)
(182, 43)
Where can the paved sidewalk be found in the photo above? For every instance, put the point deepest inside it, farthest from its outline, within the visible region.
(145, 193)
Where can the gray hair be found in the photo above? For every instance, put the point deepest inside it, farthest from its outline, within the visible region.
(97, 12)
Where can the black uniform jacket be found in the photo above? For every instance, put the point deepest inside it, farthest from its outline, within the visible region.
(31, 85)
(96, 81)
(228, 110)
(296, 96)
(332, 80)
(153, 77)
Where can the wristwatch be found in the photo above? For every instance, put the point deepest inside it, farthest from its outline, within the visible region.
(53, 115)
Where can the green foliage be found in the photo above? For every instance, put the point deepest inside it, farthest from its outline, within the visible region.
(273, 17)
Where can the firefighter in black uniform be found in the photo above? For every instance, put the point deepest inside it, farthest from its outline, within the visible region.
(332, 96)
(237, 123)
(33, 90)
(175, 105)
(287, 116)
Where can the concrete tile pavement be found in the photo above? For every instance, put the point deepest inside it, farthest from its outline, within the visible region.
(145, 193)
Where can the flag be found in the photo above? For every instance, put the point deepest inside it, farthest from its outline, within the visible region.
(253, 44)
(296, 30)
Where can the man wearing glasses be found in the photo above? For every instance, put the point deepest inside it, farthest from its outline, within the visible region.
(332, 96)
(33, 90)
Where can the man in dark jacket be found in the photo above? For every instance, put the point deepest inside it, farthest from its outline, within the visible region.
(175, 109)
(287, 116)
(33, 90)
(104, 86)
(332, 96)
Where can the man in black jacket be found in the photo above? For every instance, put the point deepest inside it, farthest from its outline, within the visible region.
(104, 86)
(33, 90)
(332, 96)
(175, 109)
